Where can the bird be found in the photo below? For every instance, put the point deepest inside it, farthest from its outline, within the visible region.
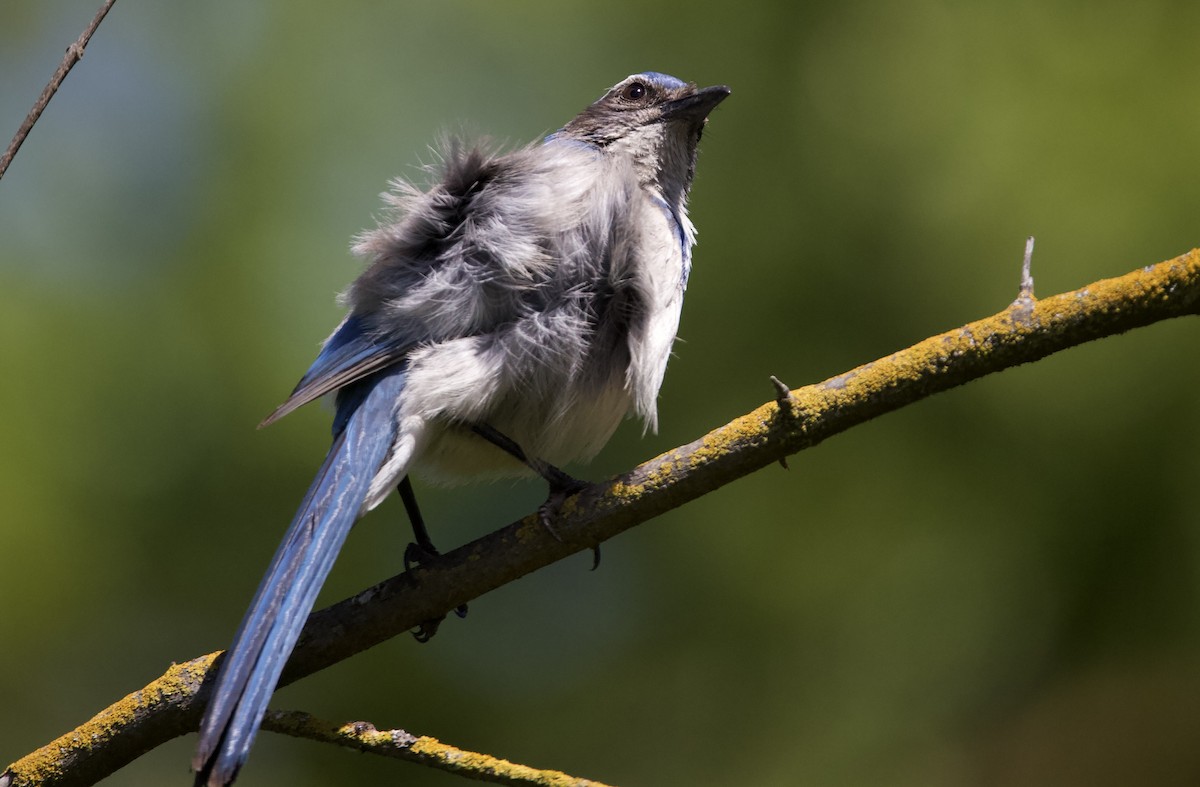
(511, 313)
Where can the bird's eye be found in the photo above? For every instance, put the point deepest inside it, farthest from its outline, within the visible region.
(634, 91)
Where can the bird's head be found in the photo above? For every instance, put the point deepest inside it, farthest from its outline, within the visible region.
(653, 118)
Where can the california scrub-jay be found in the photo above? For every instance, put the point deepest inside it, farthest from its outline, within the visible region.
(511, 315)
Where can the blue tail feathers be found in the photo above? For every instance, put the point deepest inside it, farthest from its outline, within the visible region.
(365, 429)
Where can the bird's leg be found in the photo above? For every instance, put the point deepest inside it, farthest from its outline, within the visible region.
(419, 551)
(561, 484)
(422, 548)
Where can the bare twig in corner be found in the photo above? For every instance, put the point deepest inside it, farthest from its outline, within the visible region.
(73, 56)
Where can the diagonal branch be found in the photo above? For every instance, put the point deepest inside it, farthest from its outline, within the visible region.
(1026, 331)
(74, 55)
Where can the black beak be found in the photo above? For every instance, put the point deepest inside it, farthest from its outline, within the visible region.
(696, 106)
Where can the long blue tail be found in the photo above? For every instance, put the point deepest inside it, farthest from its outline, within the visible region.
(364, 430)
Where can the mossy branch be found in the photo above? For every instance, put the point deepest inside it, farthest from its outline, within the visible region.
(363, 737)
(1026, 331)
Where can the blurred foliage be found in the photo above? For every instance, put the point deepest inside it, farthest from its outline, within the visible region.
(998, 586)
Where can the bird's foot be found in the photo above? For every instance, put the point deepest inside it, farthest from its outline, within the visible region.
(424, 632)
(415, 555)
(562, 486)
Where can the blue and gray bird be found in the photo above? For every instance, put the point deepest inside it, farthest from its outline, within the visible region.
(510, 316)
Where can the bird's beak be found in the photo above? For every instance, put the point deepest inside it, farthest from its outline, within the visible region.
(696, 106)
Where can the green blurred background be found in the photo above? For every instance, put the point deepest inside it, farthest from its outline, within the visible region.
(998, 586)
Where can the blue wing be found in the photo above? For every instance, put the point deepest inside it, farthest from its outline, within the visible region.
(364, 432)
(349, 354)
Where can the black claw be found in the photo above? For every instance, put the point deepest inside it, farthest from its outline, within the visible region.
(595, 557)
(546, 518)
(562, 486)
(426, 630)
(416, 555)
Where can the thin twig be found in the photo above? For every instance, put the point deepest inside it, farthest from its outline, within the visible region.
(74, 55)
(364, 737)
(1022, 307)
(1027, 270)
